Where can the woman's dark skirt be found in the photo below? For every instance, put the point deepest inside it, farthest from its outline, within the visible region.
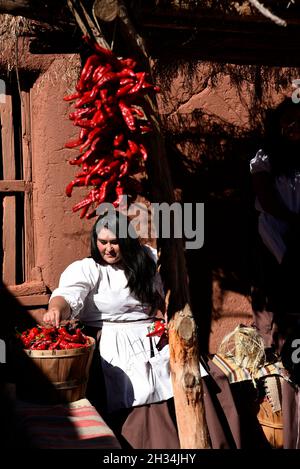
(153, 426)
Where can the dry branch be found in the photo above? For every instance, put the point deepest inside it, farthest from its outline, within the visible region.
(264, 11)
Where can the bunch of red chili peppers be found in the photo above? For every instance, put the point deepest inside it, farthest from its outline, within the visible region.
(53, 338)
(109, 109)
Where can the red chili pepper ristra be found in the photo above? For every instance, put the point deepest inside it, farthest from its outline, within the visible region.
(109, 109)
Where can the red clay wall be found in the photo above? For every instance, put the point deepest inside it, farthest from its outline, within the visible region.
(60, 235)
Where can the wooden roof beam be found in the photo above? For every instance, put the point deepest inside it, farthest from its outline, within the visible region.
(54, 12)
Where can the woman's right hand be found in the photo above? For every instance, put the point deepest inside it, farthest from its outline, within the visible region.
(52, 316)
(58, 310)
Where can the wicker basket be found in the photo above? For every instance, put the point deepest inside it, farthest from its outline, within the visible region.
(271, 423)
(54, 376)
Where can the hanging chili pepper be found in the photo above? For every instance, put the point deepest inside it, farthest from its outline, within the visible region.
(100, 71)
(104, 53)
(80, 113)
(72, 96)
(75, 182)
(74, 143)
(92, 61)
(127, 115)
(129, 63)
(118, 140)
(143, 152)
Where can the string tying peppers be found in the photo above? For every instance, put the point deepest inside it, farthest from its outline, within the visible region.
(108, 104)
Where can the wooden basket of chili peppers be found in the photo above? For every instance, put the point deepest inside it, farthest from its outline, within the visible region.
(55, 363)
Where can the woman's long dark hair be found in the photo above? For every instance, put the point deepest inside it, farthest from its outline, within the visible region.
(139, 267)
(284, 155)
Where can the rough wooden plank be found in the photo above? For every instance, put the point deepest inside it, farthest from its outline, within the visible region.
(27, 172)
(9, 203)
(9, 240)
(12, 186)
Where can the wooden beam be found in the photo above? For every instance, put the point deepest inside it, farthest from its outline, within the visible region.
(29, 254)
(199, 16)
(9, 203)
(14, 186)
(54, 12)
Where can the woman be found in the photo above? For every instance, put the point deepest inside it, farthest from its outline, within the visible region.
(116, 294)
(275, 172)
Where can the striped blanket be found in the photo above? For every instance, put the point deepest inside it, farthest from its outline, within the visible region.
(76, 425)
(236, 373)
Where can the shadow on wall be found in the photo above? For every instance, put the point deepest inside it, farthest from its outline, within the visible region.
(213, 116)
(216, 172)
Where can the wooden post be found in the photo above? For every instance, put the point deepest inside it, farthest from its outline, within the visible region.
(183, 341)
(9, 203)
(27, 175)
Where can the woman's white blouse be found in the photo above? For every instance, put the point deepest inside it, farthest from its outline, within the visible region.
(134, 370)
(99, 293)
(273, 230)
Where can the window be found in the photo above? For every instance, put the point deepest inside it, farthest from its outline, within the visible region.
(16, 243)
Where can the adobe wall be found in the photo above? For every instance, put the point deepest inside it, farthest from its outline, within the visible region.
(60, 235)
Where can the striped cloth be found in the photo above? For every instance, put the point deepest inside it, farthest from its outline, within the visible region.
(236, 373)
(76, 425)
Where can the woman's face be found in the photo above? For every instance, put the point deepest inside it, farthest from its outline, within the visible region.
(108, 246)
